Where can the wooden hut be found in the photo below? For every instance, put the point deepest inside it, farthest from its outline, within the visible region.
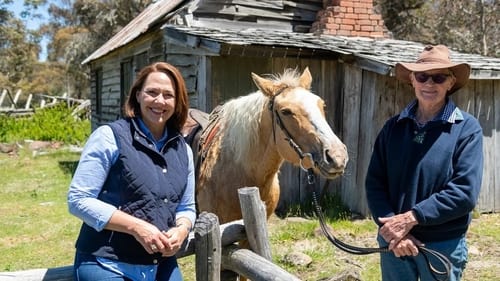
(218, 43)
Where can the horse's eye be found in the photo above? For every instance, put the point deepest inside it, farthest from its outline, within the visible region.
(286, 111)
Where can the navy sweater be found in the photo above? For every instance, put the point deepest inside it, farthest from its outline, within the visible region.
(436, 171)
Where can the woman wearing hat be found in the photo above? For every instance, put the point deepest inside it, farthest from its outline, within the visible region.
(425, 172)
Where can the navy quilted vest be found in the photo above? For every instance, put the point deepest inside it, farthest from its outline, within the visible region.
(144, 183)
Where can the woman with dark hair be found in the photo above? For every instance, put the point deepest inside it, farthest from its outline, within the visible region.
(134, 185)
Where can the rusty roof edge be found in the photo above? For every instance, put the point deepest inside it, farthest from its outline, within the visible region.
(139, 25)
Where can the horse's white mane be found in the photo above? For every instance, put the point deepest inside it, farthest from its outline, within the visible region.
(241, 119)
(242, 116)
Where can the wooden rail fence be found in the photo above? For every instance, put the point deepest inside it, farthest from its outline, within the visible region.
(11, 105)
(214, 246)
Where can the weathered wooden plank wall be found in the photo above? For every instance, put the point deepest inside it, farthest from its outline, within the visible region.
(367, 131)
(483, 93)
(495, 150)
(290, 15)
(140, 53)
(477, 98)
(358, 104)
(352, 189)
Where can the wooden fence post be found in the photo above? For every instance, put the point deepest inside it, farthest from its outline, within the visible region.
(208, 247)
(28, 102)
(16, 99)
(2, 97)
(255, 218)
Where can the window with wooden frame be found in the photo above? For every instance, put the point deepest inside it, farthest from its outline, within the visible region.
(98, 74)
(141, 60)
(126, 80)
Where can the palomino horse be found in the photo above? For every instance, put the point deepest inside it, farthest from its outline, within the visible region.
(248, 139)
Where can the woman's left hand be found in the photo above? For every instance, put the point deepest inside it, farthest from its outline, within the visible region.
(175, 236)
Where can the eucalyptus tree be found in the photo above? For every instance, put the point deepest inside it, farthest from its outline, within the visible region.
(471, 26)
(468, 26)
(19, 48)
(79, 27)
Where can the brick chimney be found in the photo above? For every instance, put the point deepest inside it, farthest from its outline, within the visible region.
(349, 18)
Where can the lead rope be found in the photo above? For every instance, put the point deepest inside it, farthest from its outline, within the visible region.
(442, 259)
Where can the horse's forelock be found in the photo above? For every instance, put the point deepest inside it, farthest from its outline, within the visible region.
(289, 77)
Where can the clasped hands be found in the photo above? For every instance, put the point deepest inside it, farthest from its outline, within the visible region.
(165, 242)
(395, 231)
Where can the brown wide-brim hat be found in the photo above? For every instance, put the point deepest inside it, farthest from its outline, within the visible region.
(435, 57)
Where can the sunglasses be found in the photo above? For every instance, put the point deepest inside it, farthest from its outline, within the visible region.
(439, 78)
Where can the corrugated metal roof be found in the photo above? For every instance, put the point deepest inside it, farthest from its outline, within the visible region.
(382, 51)
(139, 25)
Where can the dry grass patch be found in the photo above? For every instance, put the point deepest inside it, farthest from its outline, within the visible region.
(36, 230)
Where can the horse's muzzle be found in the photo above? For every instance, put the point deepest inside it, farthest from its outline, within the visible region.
(333, 163)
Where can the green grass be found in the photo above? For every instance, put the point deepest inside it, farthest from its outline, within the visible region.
(36, 230)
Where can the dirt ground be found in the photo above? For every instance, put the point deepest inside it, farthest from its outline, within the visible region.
(483, 242)
(484, 249)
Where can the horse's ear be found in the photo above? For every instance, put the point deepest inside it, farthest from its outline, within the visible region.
(267, 87)
(306, 79)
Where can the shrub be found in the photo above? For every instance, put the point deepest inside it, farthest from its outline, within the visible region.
(48, 124)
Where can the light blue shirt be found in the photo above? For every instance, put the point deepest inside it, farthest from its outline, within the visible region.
(99, 154)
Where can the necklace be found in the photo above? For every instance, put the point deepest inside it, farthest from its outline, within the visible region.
(420, 125)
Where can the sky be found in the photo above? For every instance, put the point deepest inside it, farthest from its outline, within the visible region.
(32, 23)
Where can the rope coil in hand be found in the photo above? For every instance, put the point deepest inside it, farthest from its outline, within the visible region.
(427, 253)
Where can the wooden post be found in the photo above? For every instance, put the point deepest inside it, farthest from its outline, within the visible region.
(2, 97)
(16, 98)
(28, 102)
(253, 266)
(255, 218)
(230, 233)
(208, 247)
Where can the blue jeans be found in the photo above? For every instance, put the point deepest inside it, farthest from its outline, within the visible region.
(411, 268)
(87, 268)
